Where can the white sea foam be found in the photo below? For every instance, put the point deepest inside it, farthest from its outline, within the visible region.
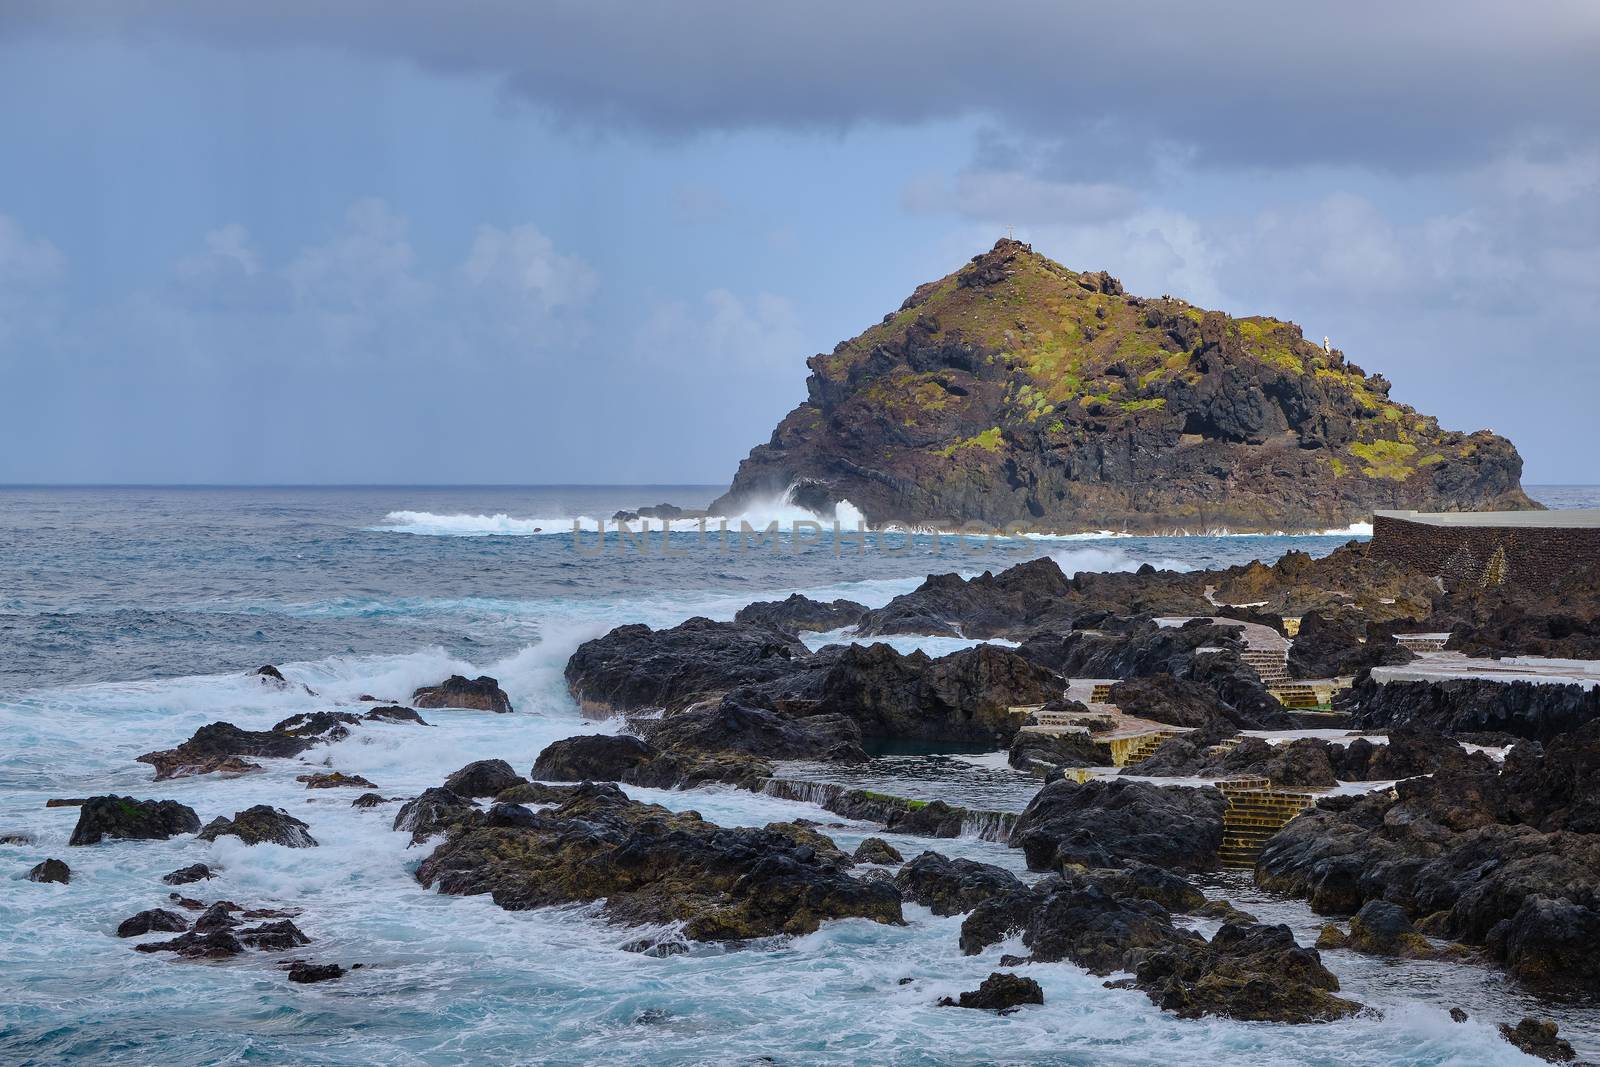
(781, 511)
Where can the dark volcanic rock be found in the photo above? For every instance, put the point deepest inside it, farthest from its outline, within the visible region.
(999, 992)
(368, 800)
(1469, 705)
(50, 871)
(277, 936)
(653, 866)
(156, 919)
(483, 778)
(125, 817)
(877, 850)
(215, 945)
(621, 758)
(1381, 929)
(477, 694)
(1073, 918)
(195, 872)
(333, 780)
(261, 825)
(1332, 644)
(951, 886)
(304, 972)
(220, 746)
(535, 793)
(433, 812)
(727, 725)
(964, 696)
(395, 713)
(634, 668)
(1537, 1037)
(1030, 750)
(800, 614)
(1105, 823)
(1503, 860)
(1254, 973)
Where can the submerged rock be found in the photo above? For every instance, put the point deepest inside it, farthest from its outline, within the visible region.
(130, 819)
(213, 945)
(1537, 1037)
(195, 872)
(155, 919)
(273, 936)
(305, 972)
(395, 713)
(51, 871)
(999, 992)
(482, 693)
(218, 747)
(652, 866)
(333, 780)
(369, 800)
(259, 825)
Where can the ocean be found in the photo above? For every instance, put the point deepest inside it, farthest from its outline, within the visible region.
(130, 616)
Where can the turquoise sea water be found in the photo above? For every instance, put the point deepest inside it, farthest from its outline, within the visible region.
(127, 619)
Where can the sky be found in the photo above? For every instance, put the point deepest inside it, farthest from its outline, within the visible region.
(594, 242)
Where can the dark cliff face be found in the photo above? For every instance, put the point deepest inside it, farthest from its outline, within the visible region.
(1016, 390)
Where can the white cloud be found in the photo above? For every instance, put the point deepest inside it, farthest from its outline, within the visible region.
(1007, 197)
(724, 332)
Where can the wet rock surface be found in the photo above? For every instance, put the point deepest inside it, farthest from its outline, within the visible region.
(220, 747)
(630, 760)
(51, 870)
(154, 920)
(877, 850)
(261, 824)
(129, 819)
(195, 872)
(1538, 1037)
(304, 972)
(1000, 992)
(653, 866)
(333, 780)
(951, 886)
(482, 693)
(1253, 973)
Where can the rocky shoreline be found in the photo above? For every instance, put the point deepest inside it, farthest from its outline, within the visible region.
(1470, 838)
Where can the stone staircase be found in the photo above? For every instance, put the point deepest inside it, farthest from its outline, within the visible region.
(1271, 663)
(1127, 750)
(1292, 696)
(1100, 694)
(1255, 812)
